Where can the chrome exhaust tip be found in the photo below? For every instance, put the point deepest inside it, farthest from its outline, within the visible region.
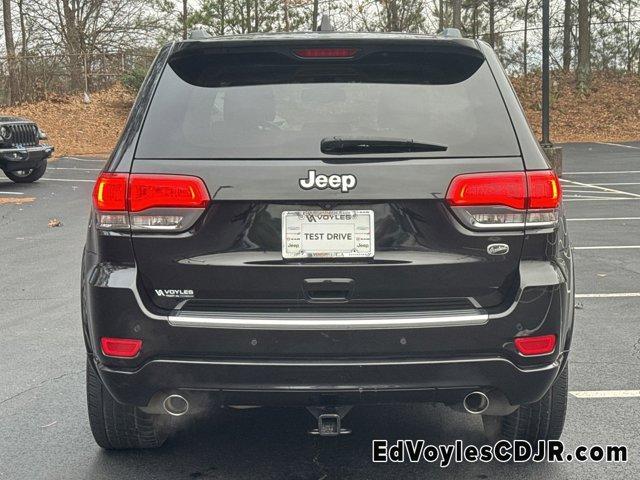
(476, 403)
(175, 405)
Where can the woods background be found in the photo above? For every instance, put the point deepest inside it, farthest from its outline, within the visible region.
(77, 49)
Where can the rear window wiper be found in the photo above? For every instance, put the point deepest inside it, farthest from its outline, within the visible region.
(364, 145)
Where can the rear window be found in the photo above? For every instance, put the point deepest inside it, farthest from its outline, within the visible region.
(272, 105)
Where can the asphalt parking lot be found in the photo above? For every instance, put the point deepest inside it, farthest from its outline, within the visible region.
(44, 432)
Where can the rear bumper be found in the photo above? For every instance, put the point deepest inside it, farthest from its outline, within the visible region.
(251, 382)
(233, 363)
(12, 159)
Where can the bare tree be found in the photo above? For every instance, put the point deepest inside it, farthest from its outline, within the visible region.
(492, 23)
(584, 45)
(14, 86)
(185, 11)
(566, 36)
(314, 21)
(457, 13)
(525, 42)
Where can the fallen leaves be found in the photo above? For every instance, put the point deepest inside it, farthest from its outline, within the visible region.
(609, 112)
(54, 222)
(15, 201)
(76, 128)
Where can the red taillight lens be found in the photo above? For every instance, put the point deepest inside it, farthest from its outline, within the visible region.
(326, 52)
(503, 200)
(120, 347)
(110, 192)
(508, 189)
(544, 189)
(169, 202)
(166, 191)
(535, 345)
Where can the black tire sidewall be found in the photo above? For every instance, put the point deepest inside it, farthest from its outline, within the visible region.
(36, 173)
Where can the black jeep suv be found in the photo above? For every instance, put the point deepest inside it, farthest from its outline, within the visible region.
(23, 157)
(323, 220)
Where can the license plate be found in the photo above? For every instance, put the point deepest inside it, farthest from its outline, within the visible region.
(328, 234)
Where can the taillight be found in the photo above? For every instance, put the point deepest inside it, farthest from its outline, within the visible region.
(541, 345)
(120, 347)
(320, 53)
(506, 200)
(148, 202)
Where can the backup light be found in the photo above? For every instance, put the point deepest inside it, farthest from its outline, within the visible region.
(148, 202)
(540, 345)
(506, 200)
(120, 347)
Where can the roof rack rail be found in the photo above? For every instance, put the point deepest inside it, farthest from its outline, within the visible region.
(450, 33)
(198, 34)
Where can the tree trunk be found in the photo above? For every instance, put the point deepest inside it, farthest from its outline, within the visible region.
(185, 32)
(566, 36)
(256, 16)
(492, 23)
(248, 14)
(629, 47)
(223, 16)
(287, 25)
(314, 23)
(74, 46)
(24, 50)
(457, 13)
(475, 18)
(525, 43)
(14, 93)
(584, 46)
(440, 15)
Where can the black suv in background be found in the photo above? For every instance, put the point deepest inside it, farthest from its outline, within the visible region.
(324, 220)
(23, 157)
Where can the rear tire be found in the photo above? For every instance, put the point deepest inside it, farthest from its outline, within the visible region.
(117, 426)
(28, 176)
(541, 420)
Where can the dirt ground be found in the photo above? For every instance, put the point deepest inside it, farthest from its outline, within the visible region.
(610, 111)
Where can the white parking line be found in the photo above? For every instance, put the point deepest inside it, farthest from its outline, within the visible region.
(67, 180)
(87, 159)
(11, 193)
(600, 199)
(602, 189)
(601, 219)
(608, 295)
(606, 393)
(609, 247)
(75, 168)
(607, 172)
(617, 183)
(619, 145)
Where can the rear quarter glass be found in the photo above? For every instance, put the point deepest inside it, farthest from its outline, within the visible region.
(273, 105)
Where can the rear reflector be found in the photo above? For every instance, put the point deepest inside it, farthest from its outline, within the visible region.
(170, 202)
(120, 347)
(326, 52)
(535, 345)
(503, 200)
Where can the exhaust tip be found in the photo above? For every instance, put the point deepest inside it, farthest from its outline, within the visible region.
(476, 403)
(175, 405)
